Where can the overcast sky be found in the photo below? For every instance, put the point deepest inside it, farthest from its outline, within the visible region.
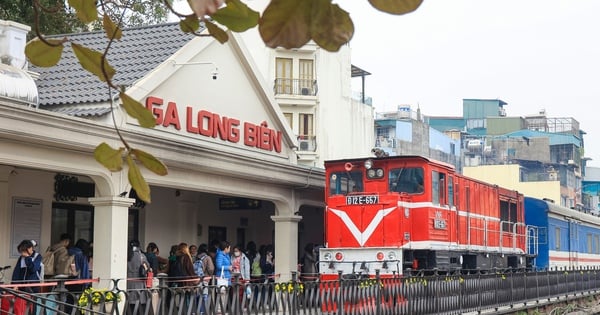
(534, 54)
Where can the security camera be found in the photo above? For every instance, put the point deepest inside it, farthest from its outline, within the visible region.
(214, 74)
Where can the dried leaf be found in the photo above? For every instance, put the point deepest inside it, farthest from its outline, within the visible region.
(91, 61)
(285, 23)
(331, 27)
(237, 16)
(398, 7)
(190, 24)
(150, 162)
(43, 55)
(137, 181)
(111, 159)
(138, 111)
(86, 10)
(111, 29)
(216, 32)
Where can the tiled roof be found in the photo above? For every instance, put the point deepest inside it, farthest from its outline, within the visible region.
(139, 51)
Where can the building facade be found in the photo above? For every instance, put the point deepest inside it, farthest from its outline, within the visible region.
(213, 103)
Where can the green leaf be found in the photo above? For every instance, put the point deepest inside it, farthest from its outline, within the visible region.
(331, 27)
(111, 29)
(216, 32)
(43, 55)
(91, 61)
(150, 162)
(86, 10)
(237, 16)
(137, 181)
(285, 23)
(111, 159)
(396, 6)
(190, 24)
(138, 111)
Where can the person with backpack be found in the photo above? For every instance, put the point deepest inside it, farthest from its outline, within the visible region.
(135, 284)
(57, 260)
(208, 267)
(28, 268)
(204, 268)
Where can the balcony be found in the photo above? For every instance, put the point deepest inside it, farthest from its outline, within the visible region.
(385, 142)
(303, 87)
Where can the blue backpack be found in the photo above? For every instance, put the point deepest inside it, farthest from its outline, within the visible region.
(199, 267)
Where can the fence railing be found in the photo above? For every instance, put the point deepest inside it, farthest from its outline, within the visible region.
(424, 293)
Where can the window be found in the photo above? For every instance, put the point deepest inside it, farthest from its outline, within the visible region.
(438, 188)
(341, 183)
(305, 125)
(290, 119)
(596, 244)
(557, 238)
(76, 220)
(508, 215)
(407, 180)
(450, 191)
(589, 243)
(283, 75)
(306, 77)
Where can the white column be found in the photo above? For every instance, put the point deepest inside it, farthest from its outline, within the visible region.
(286, 245)
(111, 217)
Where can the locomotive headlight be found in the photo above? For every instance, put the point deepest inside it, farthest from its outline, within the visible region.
(392, 256)
(327, 256)
(379, 172)
(368, 164)
(339, 256)
(380, 256)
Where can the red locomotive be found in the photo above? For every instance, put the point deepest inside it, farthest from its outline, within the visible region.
(410, 212)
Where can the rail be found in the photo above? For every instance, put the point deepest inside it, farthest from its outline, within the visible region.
(428, 292)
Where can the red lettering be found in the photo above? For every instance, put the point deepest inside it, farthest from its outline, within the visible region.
(215, 126)
(250, 134)
(221, 125)
(150, 103)
(189, 120)
(205, 123)
(171, 116)
(276, 140)
(264, 133)
(234, 132)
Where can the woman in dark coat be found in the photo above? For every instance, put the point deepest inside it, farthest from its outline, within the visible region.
(29, 266)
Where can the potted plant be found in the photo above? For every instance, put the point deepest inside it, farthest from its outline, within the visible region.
(96, 298)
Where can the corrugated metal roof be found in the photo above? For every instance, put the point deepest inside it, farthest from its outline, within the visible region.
(17, 85)
(140, 50)
(554, 138)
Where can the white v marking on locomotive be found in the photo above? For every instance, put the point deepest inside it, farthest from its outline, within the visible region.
(362, 237)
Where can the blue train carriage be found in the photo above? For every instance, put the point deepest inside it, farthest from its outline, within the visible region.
(561, 237)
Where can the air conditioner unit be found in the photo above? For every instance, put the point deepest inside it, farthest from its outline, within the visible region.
(304, 144)
(305, 91)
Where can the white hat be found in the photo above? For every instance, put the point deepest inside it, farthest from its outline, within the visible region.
(34, 243)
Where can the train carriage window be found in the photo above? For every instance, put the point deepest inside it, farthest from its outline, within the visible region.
(589, 243)
(408, 180)
(438, 188)
(450, 191)
(596, 244)
(342, 183)
(557, 238)
(504, 216)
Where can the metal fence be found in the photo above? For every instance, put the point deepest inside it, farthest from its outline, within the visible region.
(422, 293)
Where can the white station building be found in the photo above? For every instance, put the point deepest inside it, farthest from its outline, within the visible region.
(243, 130)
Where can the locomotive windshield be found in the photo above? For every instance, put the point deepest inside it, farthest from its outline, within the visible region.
(407, 180)
(342, 183)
